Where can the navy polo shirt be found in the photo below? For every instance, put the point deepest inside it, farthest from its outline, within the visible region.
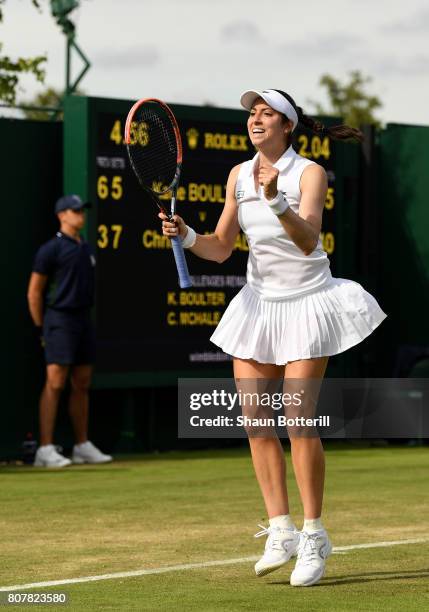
(70, 266)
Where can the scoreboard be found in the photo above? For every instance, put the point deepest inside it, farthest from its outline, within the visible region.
(149, 330)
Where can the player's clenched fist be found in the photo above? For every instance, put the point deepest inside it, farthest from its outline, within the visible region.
(268, 180)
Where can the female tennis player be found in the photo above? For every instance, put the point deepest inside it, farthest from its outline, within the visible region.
(291, 315)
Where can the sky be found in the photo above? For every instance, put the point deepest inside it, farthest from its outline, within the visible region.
(209, 51)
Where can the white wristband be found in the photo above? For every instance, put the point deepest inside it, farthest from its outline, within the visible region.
(279, 205)
(189, 240)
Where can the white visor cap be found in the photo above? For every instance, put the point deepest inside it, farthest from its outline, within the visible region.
(274, 99)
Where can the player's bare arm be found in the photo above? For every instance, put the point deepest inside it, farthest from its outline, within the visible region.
(303, 228)
(217, 246)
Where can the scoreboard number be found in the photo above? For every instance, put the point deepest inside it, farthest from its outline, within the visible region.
(314, 147)
(114, 190)
(328, 242)
(109, 236)
(330, 201)
(138, 133)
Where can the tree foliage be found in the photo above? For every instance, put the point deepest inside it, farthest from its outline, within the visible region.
(349, 100)
(49, 98)
(12, 69)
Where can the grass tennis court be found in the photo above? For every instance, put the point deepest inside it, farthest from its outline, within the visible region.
(180, 508)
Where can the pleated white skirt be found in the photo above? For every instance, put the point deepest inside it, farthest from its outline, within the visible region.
(325, 322)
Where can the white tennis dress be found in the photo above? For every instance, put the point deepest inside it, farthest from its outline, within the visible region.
(291, 307)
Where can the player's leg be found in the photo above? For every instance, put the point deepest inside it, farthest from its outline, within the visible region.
(309, 466)
(267, 453)
(307, 451)
(270, 469)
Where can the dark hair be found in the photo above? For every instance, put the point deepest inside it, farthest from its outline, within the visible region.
(337, 132)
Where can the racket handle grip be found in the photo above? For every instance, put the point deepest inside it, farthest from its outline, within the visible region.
(182, 267)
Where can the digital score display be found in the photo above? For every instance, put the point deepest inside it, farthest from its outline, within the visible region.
(145, 322)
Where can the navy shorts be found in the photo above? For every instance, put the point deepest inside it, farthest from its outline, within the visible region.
(69, 337)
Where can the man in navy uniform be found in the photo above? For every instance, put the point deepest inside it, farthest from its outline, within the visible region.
(60, 297)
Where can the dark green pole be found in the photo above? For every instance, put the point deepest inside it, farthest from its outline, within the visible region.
(60, 10)
(67, 87)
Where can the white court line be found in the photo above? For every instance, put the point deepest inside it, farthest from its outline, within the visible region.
(190, 566)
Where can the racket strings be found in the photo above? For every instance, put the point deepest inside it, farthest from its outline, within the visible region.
(153, 153)
(164, 125)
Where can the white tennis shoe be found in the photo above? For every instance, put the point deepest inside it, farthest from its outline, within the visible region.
(47, 456)
(280, 546)
(314, 549)
(88, 453)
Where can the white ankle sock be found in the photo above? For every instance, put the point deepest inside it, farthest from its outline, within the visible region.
(311, 525)
(283, 521)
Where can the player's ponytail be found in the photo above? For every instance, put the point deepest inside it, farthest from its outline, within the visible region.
(337, 132)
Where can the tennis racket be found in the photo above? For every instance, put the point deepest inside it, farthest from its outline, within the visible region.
(155, 151)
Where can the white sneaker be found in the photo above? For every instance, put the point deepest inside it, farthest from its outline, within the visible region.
(47, 456)
(314, 549)
(280, 546)
(88, 453)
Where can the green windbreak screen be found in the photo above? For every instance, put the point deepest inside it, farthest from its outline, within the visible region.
(403, 194)
(31, 184)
